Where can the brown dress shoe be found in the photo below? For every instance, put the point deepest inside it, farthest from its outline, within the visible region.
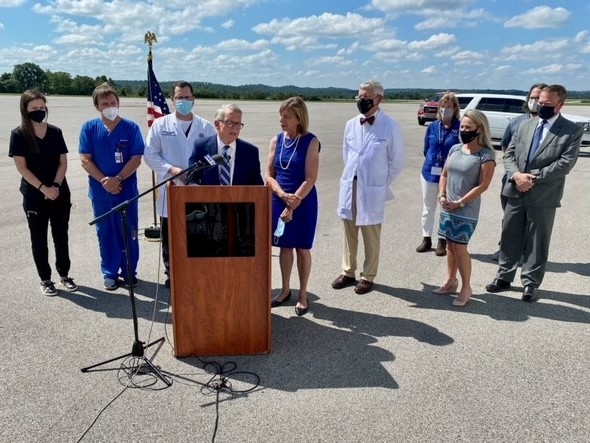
(363, 287)
(441, 248)
(425, 245)
(343, 281)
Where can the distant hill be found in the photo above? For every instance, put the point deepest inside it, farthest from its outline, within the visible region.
(265, 92)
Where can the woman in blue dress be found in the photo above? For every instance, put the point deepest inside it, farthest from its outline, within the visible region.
(291, 172)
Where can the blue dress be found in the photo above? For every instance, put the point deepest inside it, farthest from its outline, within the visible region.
(290, 173)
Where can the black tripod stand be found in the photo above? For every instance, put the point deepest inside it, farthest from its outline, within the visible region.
(141, 365)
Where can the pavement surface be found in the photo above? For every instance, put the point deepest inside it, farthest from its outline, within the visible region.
(398, 364)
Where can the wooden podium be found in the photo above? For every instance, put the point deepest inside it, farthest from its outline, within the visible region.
(220, 269)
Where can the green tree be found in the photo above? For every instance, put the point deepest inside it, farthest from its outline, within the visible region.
(59, 83)
(29, 75)
(83, 85)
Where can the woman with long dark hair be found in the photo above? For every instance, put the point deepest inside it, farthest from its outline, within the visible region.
(40, 154)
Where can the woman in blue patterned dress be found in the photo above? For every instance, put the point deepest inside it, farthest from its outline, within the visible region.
(467, 173)
(291, 173)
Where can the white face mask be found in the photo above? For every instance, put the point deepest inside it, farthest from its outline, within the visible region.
(279, 230)
(110, 113)
(446, 113)
(533, 105)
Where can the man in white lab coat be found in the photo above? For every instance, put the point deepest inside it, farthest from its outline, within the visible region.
(373, 152)
(169, 145)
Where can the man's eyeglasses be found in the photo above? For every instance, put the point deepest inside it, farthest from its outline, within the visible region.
(232, 124)
(183, 98)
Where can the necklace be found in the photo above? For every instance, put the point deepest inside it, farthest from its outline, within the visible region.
(295, 142)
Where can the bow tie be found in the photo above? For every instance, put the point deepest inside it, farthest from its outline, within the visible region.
(368, 120)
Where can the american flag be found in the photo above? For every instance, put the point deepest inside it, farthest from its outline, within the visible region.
(156, 101)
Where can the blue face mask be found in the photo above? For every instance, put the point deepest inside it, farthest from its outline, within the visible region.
(184, 107)
(279, 230)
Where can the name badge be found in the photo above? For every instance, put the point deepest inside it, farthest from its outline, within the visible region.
(436, 170)
(118, 157)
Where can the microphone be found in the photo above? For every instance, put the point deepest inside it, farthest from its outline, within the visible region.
(206, 162)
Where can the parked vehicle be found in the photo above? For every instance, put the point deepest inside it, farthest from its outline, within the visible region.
(428, 111)
(501, 108)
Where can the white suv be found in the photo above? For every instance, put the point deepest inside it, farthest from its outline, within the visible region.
(501, 108)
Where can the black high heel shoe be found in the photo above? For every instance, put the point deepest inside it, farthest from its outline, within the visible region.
(275, 302)
(302, 311)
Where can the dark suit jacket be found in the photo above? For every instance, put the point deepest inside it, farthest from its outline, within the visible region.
(246, 163)
(553, 160)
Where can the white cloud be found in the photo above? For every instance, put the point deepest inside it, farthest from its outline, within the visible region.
(429, 70)
(433, 42)
(11, 3)
(325, 25)
(540, 17)
(414, 5)
(228, 24)
(329, 61)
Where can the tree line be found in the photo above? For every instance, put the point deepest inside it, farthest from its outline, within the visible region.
(29, 75)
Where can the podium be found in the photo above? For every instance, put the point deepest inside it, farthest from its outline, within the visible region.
(220, 269)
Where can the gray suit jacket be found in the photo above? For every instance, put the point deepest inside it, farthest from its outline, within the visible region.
(553, 160)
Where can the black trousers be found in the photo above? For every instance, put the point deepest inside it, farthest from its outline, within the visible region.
(165, 245)
(41, 215)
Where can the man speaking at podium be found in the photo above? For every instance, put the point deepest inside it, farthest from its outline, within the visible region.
(242, 161)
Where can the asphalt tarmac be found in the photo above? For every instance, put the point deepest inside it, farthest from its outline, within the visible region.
(399, 364)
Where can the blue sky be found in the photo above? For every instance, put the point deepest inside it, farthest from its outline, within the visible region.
(441, 44)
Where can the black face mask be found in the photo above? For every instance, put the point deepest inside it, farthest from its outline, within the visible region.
(364, 105)
(468, 136)
(37, 116)
(546, 112)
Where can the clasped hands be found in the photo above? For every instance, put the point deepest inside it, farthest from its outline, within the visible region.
(291, 200)
(524, 182)
(448, 205)
(112, 185)
(50, 192)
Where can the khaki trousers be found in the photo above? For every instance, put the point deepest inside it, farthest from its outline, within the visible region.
(371, 240)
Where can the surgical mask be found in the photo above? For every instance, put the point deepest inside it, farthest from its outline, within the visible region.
(533, 105)
(468, 136)
(364, 105)
(110, 113)
(184, 107)
(279, 230)
(446, 113)
(546, 112)
(37, 115)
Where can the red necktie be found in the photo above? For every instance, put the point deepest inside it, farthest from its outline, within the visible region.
(368, 120)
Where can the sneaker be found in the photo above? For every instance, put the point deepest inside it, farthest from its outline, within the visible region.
(68, 284)
(48, 288)
(110, 284)
(133, 285)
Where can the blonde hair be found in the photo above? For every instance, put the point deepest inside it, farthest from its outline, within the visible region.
(481, 122)
(455, 101)
(299, 108)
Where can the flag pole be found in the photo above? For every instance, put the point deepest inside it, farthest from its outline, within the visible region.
(154, 230)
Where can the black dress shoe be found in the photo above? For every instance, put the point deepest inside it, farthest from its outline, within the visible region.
(529, 294)
(302, 311)
(275, 302)
(498, 285)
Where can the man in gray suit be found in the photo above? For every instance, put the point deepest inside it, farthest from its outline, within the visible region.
(542, 152)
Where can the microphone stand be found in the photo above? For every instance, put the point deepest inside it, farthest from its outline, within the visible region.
(141, 364)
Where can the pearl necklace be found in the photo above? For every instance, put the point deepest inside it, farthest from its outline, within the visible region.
(295, 142)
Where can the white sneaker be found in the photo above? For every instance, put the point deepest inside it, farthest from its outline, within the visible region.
(110, 284)
(68, 284)
(48, 288)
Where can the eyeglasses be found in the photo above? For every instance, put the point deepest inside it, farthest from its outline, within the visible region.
(183, 98)
(232, 124)
(361, 97)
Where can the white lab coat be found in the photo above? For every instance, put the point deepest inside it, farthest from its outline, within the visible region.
(375, 154)
(167, 145)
